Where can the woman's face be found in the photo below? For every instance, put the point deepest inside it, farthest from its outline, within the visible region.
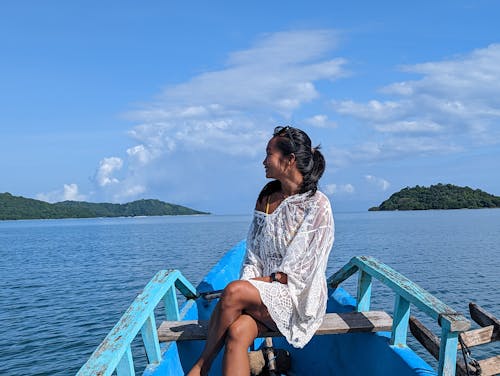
(274, 163)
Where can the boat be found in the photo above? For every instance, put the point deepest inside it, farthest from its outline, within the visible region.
(354, 339)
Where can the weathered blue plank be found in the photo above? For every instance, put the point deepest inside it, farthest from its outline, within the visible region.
(185, 287)
(126, 364)
(171, 305)
(342, 274)
(400, 321)
(150, 338)
(364, 291)
(447, 351)
(105, 358)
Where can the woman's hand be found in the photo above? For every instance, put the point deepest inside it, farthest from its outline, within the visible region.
(279, 276)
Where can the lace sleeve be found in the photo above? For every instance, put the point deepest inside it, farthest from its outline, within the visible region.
(307, 253)
(252, 264)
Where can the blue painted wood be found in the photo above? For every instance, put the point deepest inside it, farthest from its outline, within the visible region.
(171, 305)
(410, 291)
(400, 321)
(185, 287)
(342, 274)
(106, 357)
(364, 292)
(126, 364)
(447, 351)
(150, 338)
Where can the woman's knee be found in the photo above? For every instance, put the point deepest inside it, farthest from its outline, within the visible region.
(242, 332)
(233, 293)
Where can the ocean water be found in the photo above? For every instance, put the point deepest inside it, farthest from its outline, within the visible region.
(65, 283)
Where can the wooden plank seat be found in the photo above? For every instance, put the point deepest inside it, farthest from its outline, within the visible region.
(333, 323)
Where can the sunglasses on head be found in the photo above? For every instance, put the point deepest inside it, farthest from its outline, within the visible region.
(285, 132)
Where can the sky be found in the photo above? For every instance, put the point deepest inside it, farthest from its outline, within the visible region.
(121, 100)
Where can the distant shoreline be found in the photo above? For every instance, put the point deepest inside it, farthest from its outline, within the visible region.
(21, 208)
(122, 217)
(419, 210)
(438, 197)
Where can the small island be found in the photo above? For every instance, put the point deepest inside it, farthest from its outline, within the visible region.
(18, 207)
(439, 196)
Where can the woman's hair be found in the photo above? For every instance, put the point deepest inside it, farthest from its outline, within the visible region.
(309, 161)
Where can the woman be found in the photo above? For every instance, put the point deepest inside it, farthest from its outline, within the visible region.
(283, 283)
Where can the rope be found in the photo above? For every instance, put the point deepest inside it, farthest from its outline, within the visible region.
(468, 359)
(466, 353)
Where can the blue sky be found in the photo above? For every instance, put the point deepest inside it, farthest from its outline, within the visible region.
(116, 101)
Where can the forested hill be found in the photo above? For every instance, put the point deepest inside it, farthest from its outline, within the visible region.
(439, 196)
(17, 207)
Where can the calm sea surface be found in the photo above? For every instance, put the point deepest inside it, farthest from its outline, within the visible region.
(64, 283)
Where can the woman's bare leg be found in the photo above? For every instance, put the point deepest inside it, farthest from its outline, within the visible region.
(240, 336)
(238, 297)
(202, 366)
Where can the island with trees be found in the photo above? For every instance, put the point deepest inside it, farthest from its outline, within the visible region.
(17, 207)
(439, 196)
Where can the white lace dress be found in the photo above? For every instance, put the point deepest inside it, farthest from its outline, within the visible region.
(295, 239)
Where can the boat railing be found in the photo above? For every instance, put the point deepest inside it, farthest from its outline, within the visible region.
(406, 293)
(115, 353)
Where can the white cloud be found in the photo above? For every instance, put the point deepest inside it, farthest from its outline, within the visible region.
(454, 106)
(131, 184)
(231, 110)
(390, 148)
(128, 191)
(378, 182)
(68, 193)
(374, 110)
(107, 167)
(320, 121)
(227, 112)
(330, 189)
(142, 154)
(277, 74)
(408, 126)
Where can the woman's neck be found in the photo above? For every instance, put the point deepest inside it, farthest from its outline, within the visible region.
(291, 185)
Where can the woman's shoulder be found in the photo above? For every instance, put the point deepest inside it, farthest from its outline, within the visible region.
(318, 202)
(316, 197)
(321, 197)
(265, 194)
